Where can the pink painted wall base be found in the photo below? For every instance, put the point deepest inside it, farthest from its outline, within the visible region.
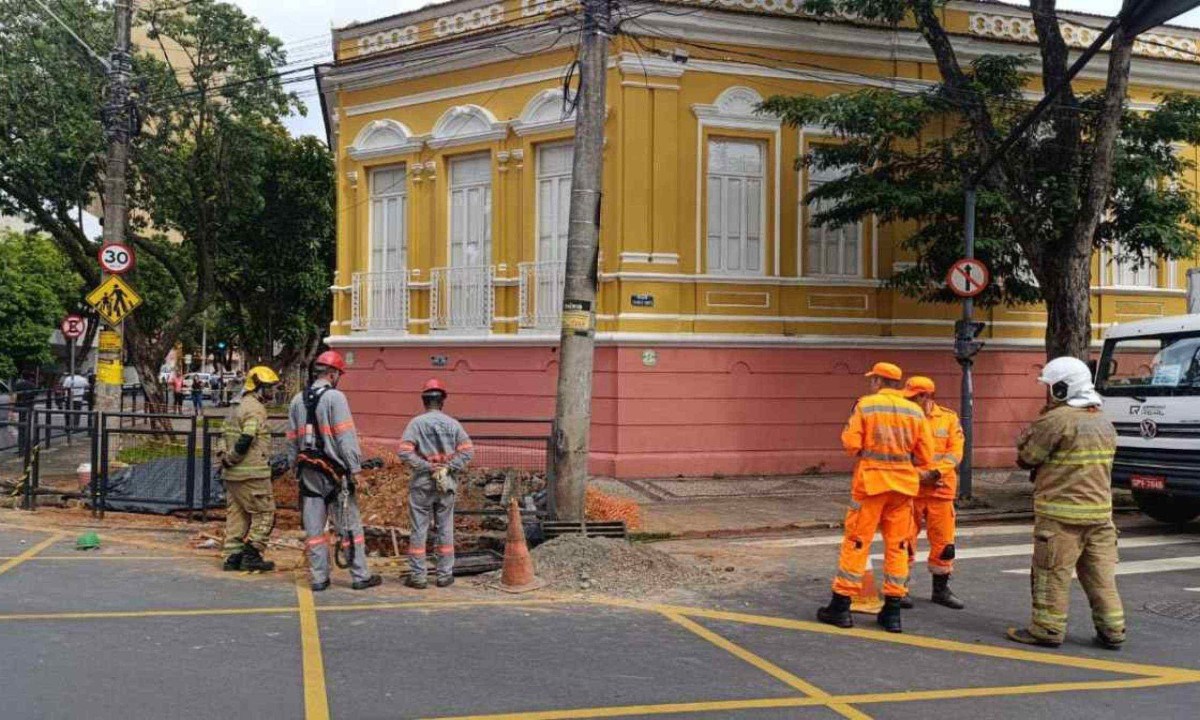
(692, 411)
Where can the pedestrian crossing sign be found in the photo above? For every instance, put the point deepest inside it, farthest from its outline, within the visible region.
(114, 300)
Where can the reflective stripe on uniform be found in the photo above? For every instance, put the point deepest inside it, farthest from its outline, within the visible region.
(947, 457)
(889, 410)
(896, 580)
(318, 540)
(941, 433)
(1072, 511)
(1049, 619)
(416, 551)
(338, 429)
(885, 457)
(445, 549)
(1082, 457)
(849, 576)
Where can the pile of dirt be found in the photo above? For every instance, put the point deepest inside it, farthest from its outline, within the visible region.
(614, 567)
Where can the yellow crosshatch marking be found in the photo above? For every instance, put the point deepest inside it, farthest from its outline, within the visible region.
(114, 300)
(1138, 676)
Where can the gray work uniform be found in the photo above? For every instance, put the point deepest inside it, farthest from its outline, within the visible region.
(341, 444)
(432, 439)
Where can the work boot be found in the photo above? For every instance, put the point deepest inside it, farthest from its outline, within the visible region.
(233, 563)
(446, 581)
(416, 583)
(1108, 642)
(373, 581)
(906, 602)
(252, 561)
(943, 595)
(1025, 637)
(837, 612)
(889, 617)
(319, 586)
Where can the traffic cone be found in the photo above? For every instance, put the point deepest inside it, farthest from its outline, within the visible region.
(516, 576)
(868, 601)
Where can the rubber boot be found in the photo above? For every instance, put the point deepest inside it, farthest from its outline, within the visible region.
(837, 612)
(233, 563)
(943, 595)
(252, 561)
(889, 617)
(906, 602)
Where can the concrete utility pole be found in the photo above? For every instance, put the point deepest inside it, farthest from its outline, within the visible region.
(118, 128)
(573, 414)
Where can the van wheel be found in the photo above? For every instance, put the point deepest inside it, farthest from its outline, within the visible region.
(1167, 509)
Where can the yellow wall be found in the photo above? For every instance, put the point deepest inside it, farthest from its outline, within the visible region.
(654, 175)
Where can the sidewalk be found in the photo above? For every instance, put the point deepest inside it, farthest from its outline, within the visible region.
(700, 507)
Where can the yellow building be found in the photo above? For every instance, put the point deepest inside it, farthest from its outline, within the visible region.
(732, 334)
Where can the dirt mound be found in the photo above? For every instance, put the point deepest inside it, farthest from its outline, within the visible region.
(615, 567)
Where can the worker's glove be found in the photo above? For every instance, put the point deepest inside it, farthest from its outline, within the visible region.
(372, 463)
(444, 480)
(280, 465)
(932, 478)
(230, 459)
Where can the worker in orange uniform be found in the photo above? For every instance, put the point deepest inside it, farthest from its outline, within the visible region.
(887, 434)
(933, 507)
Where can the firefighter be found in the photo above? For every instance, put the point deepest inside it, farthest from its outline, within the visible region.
(886, 433)
(437, 449)
(324, 447)
(246, 473)
(933, 508)
(1069, 448)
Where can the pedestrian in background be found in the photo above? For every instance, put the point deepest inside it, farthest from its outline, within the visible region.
(197, 395)
(1070, 450)
(177, 392)
(24, 394)
(437, 449)
(933, 508)
(889, 436)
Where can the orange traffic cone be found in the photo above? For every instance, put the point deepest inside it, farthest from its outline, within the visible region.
(868, 601)
(517, 574)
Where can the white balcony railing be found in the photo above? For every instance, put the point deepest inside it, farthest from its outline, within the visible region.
(461, 299)
(379, 301)
(542, 294)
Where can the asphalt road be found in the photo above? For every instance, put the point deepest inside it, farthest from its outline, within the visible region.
(133, 633)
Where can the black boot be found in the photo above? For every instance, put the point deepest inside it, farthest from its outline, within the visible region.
(889, 616)
(906, 602)
(837, 612)
(942, 595)
(233, 563)
(252, 561)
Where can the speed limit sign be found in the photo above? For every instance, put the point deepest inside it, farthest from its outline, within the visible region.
(116, 258)
(73, 326)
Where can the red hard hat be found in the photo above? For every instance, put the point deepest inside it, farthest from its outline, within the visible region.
(332, 359)
(434, 385)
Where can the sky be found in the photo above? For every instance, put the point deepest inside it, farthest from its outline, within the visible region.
(304, 27)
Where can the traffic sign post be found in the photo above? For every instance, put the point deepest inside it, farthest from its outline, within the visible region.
(73, 327)
(116, 259)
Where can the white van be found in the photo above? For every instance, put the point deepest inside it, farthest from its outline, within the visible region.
(1149, 375)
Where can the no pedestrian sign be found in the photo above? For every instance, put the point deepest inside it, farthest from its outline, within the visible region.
(968, 277)
(114, 300)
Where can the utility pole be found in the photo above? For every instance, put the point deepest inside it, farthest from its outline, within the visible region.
(573, 414)
(118, 127)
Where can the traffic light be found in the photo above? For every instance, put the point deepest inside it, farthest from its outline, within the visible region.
(966, 346)
(221, 345)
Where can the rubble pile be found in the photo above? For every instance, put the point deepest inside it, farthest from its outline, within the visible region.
(615, 567)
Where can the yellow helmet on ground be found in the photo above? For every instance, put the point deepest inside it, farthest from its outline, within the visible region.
(260, 375)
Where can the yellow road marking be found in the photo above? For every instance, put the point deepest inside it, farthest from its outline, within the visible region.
(316, 701)
(659, 709)
(25, 556)
(765, 665)
(865, 698)
(438, 604)
(995, 651)
(117, 614)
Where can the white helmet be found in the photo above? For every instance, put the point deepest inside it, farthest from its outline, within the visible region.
(1070, 381)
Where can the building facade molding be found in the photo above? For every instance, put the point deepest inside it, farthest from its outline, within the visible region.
(544, 113)
(464, 125)
(382, 138)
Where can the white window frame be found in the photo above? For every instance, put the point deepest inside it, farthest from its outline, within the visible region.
(400, 193)
(763, 238)
(804, 214)
(1112, 269)
(556, 178)
(489, 210)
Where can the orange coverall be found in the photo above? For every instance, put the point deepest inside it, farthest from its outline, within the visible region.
(888, 434)
(933, 507)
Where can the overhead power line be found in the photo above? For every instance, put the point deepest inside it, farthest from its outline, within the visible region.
(82, 43)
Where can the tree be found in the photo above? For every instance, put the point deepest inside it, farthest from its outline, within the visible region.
(1092, 175)
(197, 167)
(36, 288)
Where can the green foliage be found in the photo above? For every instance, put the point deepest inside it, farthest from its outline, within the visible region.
(36, 288)
(908, 156)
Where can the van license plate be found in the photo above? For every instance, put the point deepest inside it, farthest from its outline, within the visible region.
(1148, 482)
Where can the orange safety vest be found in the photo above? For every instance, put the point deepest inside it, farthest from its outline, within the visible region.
(890, 436)
(947, 452)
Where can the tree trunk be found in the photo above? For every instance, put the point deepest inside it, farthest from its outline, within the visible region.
(1069, 308)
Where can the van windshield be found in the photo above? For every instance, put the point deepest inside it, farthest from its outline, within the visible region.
(1167, 365)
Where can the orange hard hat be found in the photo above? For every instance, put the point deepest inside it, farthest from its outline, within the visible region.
(434, 385)
(886, 370)
(919, 385)
(333, 359)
